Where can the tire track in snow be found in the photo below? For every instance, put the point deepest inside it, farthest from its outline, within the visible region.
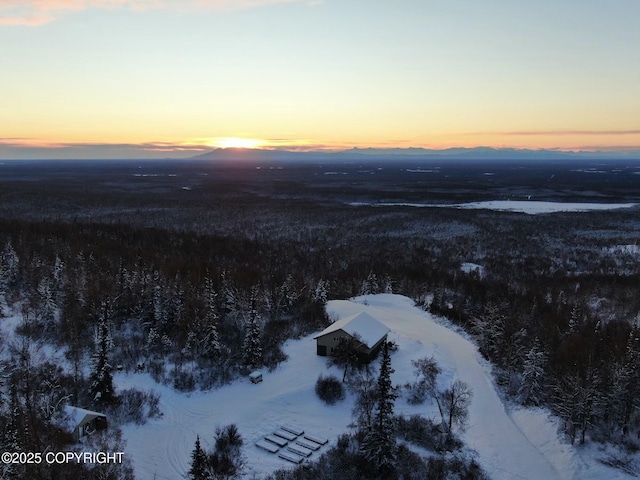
(184, 419)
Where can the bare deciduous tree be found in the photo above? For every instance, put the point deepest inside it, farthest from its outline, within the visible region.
(453, 404)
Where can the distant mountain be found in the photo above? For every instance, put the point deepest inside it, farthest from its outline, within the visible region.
(488, 153)
(412, 153)
(245, 153)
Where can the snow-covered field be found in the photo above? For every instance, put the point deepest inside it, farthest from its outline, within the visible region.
(530, 207)
(518, 444)
(161, 448)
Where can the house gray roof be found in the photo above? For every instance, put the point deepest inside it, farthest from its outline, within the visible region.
(368, 329)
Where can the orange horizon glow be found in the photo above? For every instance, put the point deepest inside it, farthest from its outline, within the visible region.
(516, 140)
(237, 142)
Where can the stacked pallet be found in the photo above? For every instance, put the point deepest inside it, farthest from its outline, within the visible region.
(301, 447)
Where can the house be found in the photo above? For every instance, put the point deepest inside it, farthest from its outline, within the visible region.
(368, 331)
(80, 422)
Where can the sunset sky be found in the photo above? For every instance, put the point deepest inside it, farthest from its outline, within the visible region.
(118, 78)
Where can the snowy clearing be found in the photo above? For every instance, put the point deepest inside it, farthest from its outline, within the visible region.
(469, 267)
(521, 206)
(523, 444)
(623, 249)
(534, 207)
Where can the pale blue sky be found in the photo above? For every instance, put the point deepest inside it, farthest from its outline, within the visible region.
(547, 74)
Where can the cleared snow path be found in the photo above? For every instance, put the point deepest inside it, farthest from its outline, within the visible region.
(503, 450)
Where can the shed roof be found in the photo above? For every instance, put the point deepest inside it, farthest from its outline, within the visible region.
(368, 329)
(76, 416)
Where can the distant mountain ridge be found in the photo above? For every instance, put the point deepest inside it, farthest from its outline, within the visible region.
(416, 153)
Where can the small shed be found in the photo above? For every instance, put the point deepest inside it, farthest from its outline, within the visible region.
(255, 377)
(366, 329)
(80, 422)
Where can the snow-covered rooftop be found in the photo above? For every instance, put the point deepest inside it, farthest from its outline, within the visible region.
(368, 329)
(75, 415)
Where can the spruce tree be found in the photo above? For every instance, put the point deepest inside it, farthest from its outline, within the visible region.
(47, 305)
(252, 348)
(629, 388)
(288, 295)
(10, 438)
(101, 388)
(9, 263)
(531, 391)
(370, 285)
(320, 293)
(198, 470)
(8, 272)
(12, 430)
(379, 444)
(387, 285)
(211, 341)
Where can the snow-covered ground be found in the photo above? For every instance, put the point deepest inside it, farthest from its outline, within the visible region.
(534, 207)
(161, 449)
(531, 207)
(469, 267)
(39, 352)
(623, 249)
(518, 444)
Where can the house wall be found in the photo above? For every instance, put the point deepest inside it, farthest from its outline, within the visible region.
(373, 351)
(87, 426)
(83, 429)
(331, 341)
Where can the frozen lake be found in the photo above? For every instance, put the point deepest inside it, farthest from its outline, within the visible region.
(530, 207)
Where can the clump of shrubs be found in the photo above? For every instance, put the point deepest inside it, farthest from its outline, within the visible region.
(329, 389)
(443, 468)
(134, 406)
(426, 433)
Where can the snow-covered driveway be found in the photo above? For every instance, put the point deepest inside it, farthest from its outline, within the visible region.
(522, 444)
(503, 449)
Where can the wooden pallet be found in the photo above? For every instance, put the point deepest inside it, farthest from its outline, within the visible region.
(307, 444)
(281, 442)
(268, 446)
(291, 457)
(286, 435)
(300, 450)
(288, 428)
(318, 440)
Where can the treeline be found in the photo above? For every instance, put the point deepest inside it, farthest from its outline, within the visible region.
(557, 347)
(178, 305)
